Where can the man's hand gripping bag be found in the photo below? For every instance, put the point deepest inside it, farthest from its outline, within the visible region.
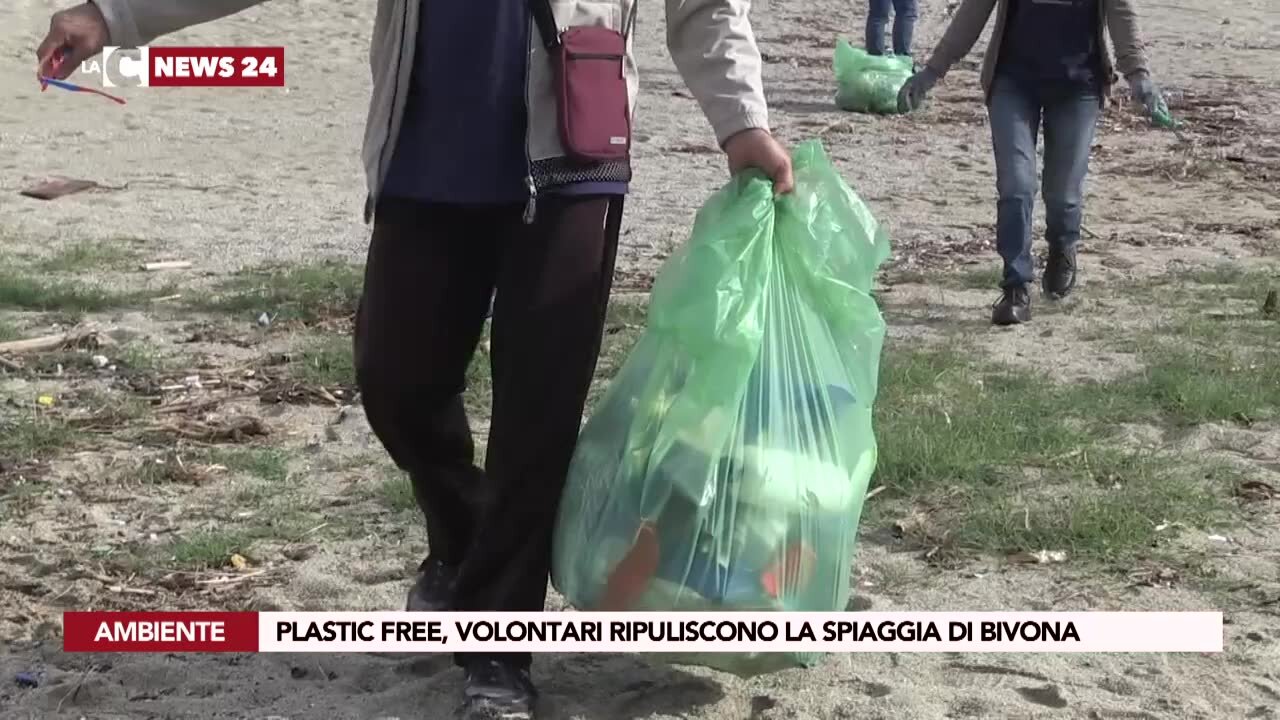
(726, 465)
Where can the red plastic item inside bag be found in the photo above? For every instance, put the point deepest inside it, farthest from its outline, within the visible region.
(595, 112)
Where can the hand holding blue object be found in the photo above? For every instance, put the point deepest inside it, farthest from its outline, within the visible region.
(46, 81)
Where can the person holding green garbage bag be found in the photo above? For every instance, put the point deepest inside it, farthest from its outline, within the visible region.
(496, 156)
(726, 466)
(1047, 65)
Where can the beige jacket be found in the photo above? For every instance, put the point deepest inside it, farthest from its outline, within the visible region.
(1118, 17)
(711, 42)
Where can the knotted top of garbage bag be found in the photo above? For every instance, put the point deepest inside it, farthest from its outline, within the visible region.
(822, 231)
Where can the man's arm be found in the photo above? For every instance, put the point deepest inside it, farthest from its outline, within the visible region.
(961, 35)
(715, 50)
(1122, 25)
(78, 33)
(138, 22)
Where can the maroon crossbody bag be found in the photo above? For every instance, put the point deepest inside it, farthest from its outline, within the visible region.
(593, 111)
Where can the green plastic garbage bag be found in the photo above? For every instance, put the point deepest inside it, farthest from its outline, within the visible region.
(869, 83)
(726, 465)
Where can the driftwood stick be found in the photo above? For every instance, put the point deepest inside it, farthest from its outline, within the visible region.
(229, 579)
(166, 265)
(53, 342)
(37, 344)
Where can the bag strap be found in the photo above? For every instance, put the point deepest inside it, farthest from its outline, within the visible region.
(631, 19)
(545, 19)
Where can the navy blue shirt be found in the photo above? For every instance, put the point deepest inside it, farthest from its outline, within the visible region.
(462, 139)
(1052, 41)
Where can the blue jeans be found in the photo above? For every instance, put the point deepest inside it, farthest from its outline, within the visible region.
(904, 24)
(1070, 117)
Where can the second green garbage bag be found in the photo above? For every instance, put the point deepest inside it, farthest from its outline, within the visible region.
(726, 465)
(869, 83)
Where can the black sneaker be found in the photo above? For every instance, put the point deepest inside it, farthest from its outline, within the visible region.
(1060, 273)
(433, 590)
(1013, 307)
(497, 691)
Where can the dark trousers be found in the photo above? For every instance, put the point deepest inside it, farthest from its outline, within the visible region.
(432, 270)
(1070, 117)
(904, 25)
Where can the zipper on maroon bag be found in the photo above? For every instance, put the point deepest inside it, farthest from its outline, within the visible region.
(592, 56)
(600, 57)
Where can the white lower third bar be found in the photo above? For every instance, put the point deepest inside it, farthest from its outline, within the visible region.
(742, 632)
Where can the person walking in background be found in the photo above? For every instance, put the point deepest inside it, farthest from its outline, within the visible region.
(1047, 65)
(470, 192)
(904, 25)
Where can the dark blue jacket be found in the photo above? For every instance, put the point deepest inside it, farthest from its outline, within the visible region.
(462, 138)
(1053, 41)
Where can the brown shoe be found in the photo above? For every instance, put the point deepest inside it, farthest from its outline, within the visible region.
(496, 690)
(1013, 307)
(433, 589)
(1060, 273)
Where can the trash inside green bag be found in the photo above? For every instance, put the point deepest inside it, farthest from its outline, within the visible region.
(726, 465)
(869, 83)
(1160, 115)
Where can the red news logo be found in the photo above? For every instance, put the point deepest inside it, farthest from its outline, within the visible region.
(192, 67)
(216, 67)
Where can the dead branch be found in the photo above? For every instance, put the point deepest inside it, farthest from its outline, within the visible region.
(228, 580)
(45, 343)
(166, 265)
(38, 344)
